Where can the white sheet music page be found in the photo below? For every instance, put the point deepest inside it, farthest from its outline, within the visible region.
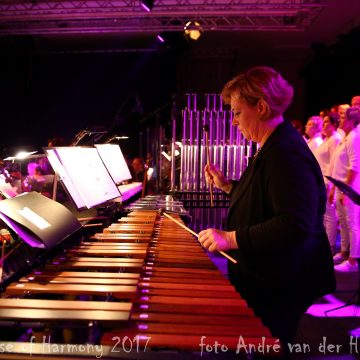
(88, 174)
(64, 177)
(114, 161)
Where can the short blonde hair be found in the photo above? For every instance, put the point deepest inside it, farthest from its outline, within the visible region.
(317, 122)
(260, 83)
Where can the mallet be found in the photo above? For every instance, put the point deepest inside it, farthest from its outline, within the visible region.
(206, 131)
(162, 212)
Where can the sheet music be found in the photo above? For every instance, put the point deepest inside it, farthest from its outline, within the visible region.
(114, 161)
(64, 177)
(88, 174)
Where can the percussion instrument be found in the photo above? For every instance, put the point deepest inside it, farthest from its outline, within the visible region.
(142, 286)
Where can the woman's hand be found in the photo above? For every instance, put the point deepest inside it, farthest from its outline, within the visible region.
(218, 240)
(214, 176)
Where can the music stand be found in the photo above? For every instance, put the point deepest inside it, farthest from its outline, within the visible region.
(355, 197)
(114, 161)
(83, 174)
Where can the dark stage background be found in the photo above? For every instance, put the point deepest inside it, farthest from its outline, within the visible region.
(48, 89)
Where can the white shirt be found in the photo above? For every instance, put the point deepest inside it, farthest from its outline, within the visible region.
(325, 154)
(315, 142)
(347, 157)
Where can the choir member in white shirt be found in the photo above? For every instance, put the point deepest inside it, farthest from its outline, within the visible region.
(313, 129)
(347, 169)
(325, 156)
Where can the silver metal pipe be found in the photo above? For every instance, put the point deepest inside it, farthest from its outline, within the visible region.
(214, 96)
(183, 156)
(173, 168)
(229, 150)
(207, 101)
(196, 165)
(191, 150)
(202, 144)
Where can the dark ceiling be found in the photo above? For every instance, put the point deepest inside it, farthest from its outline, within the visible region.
(66, 65)
(267, 27)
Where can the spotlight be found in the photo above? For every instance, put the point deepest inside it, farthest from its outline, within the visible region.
(21, 155)
(147, 4)
(160, 38)
(193, 30)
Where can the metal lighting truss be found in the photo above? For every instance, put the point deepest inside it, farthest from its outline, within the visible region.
(76, 17)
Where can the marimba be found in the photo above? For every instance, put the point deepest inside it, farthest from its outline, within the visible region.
(142, 285)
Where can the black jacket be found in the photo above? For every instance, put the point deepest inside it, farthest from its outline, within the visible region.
(277, 209)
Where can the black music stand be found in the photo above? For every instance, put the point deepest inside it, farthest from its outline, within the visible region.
(355, 197)
(38, 220)
(39, 224)
(354, 299)
(346, 189)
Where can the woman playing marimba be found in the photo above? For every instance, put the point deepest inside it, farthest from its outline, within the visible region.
(275, 221)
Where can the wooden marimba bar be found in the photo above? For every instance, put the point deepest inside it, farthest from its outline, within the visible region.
(145, 278)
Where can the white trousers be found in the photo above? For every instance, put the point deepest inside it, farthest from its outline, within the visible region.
(331, 223)
(349, 222)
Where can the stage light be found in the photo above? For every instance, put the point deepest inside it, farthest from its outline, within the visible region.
(147, 4)
(193, 30)
(21, 155)
(160, 38)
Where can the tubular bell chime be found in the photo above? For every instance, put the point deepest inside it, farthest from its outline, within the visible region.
(228, 148)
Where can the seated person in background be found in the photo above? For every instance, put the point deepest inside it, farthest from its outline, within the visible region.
(313, 129)
(56, 141)
(44, 162)
(138, 165)
(35, 180)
